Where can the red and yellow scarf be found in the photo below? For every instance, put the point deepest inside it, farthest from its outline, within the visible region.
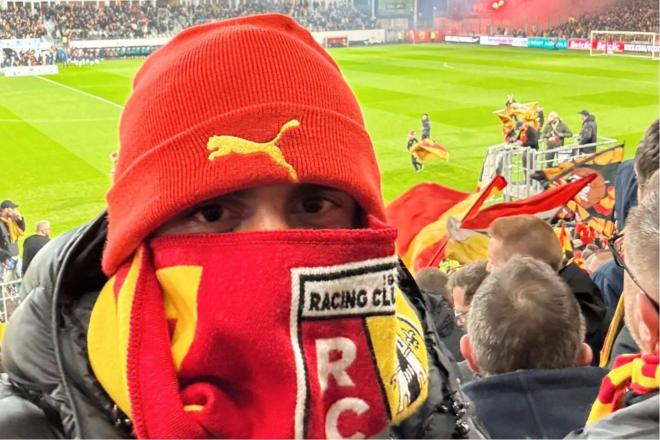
(630, 373)
(286, 334)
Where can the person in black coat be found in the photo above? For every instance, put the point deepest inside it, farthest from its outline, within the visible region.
(588, 133)
(35, 242)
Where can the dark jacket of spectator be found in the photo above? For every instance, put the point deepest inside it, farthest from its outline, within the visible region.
(636, 421)
(609, 279)
(443, 318)
(31, 246)
(596, 313)
(543, 403)
(625, 192)
(588, 133)
(531, 137)
(7, 248)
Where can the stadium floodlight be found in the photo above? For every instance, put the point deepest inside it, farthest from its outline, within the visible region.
(625, 43)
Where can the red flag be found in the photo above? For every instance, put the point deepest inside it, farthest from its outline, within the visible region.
(420, 205)
(544, 204)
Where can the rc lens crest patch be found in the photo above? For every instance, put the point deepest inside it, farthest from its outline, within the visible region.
(400, 352)
(359, 349)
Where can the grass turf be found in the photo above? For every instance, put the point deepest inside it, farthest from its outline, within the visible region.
(57, 133)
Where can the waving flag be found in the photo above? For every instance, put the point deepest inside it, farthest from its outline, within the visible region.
(544, 205)
(421, 216)
(594, 205)
(427, 149)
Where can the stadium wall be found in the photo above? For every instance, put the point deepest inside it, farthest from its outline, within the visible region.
(371, 36)
(551, 43)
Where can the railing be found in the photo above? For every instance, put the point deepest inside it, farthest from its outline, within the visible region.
(517, 164)
(9, 298)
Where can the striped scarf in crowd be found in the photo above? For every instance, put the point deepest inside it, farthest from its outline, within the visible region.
(631, 373)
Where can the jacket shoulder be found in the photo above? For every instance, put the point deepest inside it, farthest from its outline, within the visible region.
(20, 418)
(448, 412)
(636, 421)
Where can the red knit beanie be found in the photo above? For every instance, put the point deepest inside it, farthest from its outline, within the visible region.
(229, 105)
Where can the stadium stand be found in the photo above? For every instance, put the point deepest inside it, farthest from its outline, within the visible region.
(624, 15)
(124, 20)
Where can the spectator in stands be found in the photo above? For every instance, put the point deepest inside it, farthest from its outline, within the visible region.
(173, 315)
(35, 242)
(12, 226)
(525, 338)
(647, 162)
(527, 136)
(588, 133)
(463, 285)
(554, 134)
(125, 20)
(530, 236)
(623, 15)
(433, 282)
(627, 405)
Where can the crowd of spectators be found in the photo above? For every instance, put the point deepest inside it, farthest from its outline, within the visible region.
(628, 15)
(624, 15)
(126, 20)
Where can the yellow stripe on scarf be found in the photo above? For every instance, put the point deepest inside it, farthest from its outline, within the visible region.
(615, 326)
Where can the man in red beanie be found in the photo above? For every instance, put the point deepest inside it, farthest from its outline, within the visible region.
(243, 283)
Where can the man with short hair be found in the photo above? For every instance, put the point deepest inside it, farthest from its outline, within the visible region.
(555, 132)
(35, 242)
(530, 236)
(242, 283)
(525, 338)
(463, 285)
(627, 404)
(433, 282)
(588, 133)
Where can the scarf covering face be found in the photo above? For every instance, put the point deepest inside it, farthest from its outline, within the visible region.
(298, 333)
(632, 373)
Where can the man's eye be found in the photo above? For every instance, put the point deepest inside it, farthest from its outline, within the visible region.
(315, 205)
(209, 214)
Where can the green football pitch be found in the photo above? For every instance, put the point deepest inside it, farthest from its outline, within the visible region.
(57, 132)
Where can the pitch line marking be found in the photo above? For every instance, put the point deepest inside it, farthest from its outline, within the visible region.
(82, 92)
(54, 121)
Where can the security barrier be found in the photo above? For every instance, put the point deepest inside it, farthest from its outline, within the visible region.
(517, 164)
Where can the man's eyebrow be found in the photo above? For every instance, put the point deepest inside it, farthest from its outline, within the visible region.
(311, 188)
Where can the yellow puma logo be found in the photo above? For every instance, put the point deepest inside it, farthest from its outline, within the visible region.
(225, 145)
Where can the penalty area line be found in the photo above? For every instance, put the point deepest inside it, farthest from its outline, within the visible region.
(82, 92)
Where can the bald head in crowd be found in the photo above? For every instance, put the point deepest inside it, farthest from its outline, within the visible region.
(524, 316)
(640, 283)
(525, 235)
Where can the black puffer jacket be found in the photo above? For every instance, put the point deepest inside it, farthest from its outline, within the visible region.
(49, 390)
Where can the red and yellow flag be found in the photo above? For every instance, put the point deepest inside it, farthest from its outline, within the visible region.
(428, 149)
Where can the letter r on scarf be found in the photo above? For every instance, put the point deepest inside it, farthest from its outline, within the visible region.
(337, 368)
